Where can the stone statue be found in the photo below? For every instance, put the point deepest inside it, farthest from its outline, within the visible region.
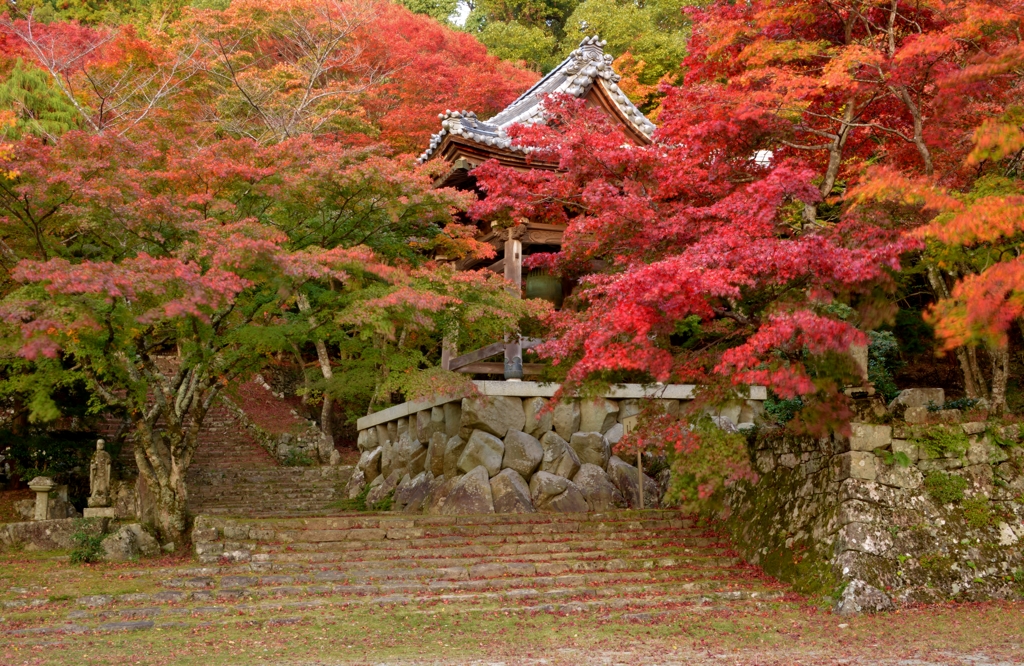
(99, 477)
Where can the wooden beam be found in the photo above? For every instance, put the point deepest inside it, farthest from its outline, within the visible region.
(478, 355)
(499, 368)
(514, 274)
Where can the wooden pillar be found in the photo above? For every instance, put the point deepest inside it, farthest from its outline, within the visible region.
(514, 274)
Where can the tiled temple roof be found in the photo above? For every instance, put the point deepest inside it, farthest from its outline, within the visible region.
(585, 67)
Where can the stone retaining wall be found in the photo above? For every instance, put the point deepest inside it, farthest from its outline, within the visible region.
(894, 514)
(507, 450)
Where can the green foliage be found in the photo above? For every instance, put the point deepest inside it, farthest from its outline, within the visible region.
(944, 442)
(704, 461)
(297, 458)
(883, 362)
(936, 564)
(58, 454)
(88, 546)
(899, 458)
(782, 410)
(439, 10)
(385, 502)
(654, 32)
(517, 42)
(978, 512)
(945, 488)
(39, 108)
(357, 503)
(963, 404)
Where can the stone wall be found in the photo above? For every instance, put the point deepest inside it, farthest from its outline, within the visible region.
(513, 451)
(891, 515)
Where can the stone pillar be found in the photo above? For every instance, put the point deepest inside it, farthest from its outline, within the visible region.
(41, 486)
(514, 274)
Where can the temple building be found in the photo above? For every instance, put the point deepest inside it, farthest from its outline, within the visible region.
(465, 142)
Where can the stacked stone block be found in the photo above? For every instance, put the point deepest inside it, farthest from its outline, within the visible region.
(505, 454)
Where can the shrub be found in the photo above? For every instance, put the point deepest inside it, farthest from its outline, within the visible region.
(780, 410)
(883, 362)
(88, 545)
(941, 442)
(704, 461)
(357, 503)
(297, 458)
(945, 488)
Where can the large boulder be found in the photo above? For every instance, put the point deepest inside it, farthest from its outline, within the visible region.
(495, 415)
(624, 477)
(544, 486)
(428, 422)
(615, 434)
(435, 453)
(600, 493)
(439, 490)
(566, 418)
(452, 418)
(411, 492)
(598, 415)
(388, 458)
(556, 494)
(355, 484)
(367, 440)
(538, 419)
(860, 597)
(591, 447)
(510, 493)
(452, 452)
(482, 450)
(559, 458)
(378, 491)
(409, 454)
(920, 398)
(369, 464)
(471, 494)
(129, 543)
(523, 453)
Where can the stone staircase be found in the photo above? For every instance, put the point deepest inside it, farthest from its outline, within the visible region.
(628, 564)
(271, 491)
(232, 474)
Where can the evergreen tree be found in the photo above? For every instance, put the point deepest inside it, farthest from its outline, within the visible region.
(38, 107)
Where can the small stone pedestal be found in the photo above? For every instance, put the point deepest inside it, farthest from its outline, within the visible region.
(99, 512)
(41, 486)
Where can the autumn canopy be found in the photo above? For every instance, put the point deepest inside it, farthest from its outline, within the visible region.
(192, 192)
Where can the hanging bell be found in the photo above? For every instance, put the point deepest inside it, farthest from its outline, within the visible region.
(541, 284)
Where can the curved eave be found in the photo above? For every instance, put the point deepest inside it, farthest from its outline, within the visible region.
(601, 95)
(465, 154)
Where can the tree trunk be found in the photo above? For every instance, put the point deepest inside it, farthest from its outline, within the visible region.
(1000, 376)
(974, 381)
(326, 446)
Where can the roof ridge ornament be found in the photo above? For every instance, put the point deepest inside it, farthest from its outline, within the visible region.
(575, 76)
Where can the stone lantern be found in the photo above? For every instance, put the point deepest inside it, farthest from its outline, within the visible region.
(41, 486)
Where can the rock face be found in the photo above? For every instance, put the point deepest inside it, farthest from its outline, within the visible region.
(598, 415)
(555, 494)
(367, 440)
(438, 493)
(129, 543)
(597, 488)
(410, 493)
(495, 415)
(355, 484)
(559, 458)
(538, 421)
(380, 490)
(566, 419)
(435, 454)
(523, 453)
(471, 494)
(452, 451)
(369, 464)
(591, 447)
(510, 493)
(859, 597)
(544, 486)
(482, 450)
(624, 477)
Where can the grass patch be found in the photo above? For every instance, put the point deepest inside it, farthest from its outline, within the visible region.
(945, 488)
(357, 503)
(978, 512)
